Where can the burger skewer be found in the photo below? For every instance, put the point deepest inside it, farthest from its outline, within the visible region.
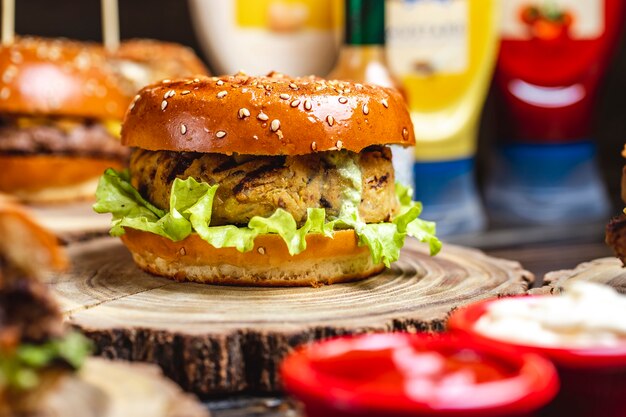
(110, 24)
(8, 21)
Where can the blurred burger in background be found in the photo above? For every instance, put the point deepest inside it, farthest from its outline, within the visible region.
(144, 61)
(61, 106)
(36, 350)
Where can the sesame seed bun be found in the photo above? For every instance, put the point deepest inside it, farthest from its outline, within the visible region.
(59, 77)
(339, 259)
(163, 59)
(272, 115)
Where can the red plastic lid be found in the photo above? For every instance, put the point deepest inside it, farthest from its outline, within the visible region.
(462, 322)
(402, 373)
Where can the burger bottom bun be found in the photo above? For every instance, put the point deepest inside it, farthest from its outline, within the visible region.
(325, 261)
(52, 179)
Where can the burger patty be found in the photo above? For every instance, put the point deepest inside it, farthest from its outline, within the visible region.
(90, 140)
(616, 236)
(258, 185)
(27, 311)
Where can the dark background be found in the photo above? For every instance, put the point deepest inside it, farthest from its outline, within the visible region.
(170, 20)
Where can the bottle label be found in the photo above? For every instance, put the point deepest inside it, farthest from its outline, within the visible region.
(552, 19)
(297, 37)
(427, 36)
(284, 16)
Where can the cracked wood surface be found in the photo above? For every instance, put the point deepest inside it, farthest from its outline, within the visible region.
(607, 271)
(217, 339)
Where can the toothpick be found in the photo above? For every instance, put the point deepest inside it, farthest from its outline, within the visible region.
(110, 24)
(8, 21)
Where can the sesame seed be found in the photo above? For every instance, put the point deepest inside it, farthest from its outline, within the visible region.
(183, 129)
(220, 82)
(163, 104)
(295, 103)
(9, 74)
(221, 94)
(220, 134)
(16, 57)
(255, 137)
(339, 145)
(280, 134)
(261, 250)
(184, 92)
(243, 113)
(314, 146)
(196, 80)
(366, 110)
(343, 100)
(263, 116)
(405, 133)
(275, 125)
(169, 94)
(330, 120)
(182, 251)
(307, 105)
(135, 100)
(385, 103)
(284, 96)
(293, 86)
(165, 81)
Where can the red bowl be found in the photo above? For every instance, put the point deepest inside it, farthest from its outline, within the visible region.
(387, 375)
(593, 380)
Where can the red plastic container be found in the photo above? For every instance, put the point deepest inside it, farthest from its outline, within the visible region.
(593, 380)
(398, 375)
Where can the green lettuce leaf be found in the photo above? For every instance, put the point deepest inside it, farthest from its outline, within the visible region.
(19, 369)
(191, 207)
(408, 220)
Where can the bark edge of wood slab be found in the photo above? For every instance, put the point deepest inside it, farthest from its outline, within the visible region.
(607, 271)
(218, 339)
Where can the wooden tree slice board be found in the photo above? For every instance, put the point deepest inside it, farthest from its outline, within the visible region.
(607, 271)
(103, 388)
(218, 339)
(73, 221)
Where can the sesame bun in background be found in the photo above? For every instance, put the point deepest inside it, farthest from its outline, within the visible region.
(58, 101)
(271, 180)
(145, 61)
(61, 106)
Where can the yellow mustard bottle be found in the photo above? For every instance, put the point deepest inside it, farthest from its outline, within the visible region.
(444, 52)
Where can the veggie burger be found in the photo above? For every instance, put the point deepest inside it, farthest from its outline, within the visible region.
(269, 180)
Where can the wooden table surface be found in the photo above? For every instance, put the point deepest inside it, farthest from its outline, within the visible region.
(540, 250)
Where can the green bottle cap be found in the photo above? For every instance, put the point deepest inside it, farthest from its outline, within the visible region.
(365, 22)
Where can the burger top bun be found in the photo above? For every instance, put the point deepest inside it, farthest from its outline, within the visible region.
(270, 115)
(26, 245)
(163, 59)
(59, 77)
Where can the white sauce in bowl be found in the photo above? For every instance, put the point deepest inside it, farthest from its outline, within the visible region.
(587, 315)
